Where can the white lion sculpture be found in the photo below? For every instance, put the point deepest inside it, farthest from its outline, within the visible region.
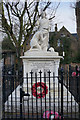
(41, 37)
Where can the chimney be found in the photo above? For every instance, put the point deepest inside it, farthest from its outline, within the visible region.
(55, 27)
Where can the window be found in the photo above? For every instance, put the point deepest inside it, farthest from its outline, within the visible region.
(63, 35)
(58, 43)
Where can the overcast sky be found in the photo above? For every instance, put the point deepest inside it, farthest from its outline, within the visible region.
(65, 16)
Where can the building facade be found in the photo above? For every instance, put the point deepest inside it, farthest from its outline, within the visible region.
(64, 41)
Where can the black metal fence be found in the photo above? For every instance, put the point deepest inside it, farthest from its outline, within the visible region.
(11, 79)
(41, 95)
(74, 82)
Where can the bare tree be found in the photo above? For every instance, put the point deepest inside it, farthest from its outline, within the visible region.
(77, 9)
(19, 18)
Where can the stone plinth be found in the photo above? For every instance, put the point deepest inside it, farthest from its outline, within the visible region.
(39, 60)
(35, 60)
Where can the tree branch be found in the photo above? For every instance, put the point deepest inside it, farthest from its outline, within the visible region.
(12, 10)
(7, 8)
(36, 11)
(54, 12)
(28, 14)
(30, 4)
(56, 8)
(25, 6)
(51, 18)
(21, 30)
(7, 28)
(48, 3)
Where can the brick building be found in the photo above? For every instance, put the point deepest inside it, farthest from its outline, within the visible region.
(63, 40)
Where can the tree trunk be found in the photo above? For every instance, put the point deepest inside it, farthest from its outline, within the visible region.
(78, 21)
(19, 60)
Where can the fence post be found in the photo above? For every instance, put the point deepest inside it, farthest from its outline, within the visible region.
(1, 38)
(78, 92)
(20, 103)
(62, 94)
(0, 91)
(70, 77)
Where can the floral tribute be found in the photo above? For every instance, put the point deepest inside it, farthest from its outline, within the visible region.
(51, 115)
(43, 90)
(74, 74)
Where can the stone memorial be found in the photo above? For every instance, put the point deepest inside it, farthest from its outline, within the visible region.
(38, 58)
(41, 58)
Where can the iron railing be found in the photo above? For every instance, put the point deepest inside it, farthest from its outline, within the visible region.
(38, 95)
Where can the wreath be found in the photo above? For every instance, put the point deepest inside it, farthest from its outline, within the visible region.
(51, 115)
(75, 74)
(43, 90)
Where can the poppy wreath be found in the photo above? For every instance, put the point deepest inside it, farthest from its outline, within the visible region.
(44, 90)
(51, 114)
(74, 74)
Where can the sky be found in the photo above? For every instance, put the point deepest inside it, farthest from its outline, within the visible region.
(65, 16)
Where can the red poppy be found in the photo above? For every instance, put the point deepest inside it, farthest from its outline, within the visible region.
(43, 90)
(74, 74)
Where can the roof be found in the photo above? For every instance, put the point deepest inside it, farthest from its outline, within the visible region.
(66, 32)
